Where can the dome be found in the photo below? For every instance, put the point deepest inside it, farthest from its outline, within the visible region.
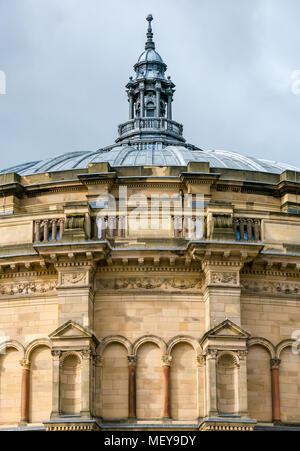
(150, 155)
(150, 56)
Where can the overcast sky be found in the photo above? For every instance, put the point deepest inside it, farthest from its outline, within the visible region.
(67, 62)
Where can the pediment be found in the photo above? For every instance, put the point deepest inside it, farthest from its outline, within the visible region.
(70, 330)
(227, 329)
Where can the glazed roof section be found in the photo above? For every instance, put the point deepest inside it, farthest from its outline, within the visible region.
(150, 155)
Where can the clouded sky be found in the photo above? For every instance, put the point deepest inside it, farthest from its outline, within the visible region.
(67, 62)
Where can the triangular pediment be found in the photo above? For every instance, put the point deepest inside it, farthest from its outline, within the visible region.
(70, 330)
(227, 329)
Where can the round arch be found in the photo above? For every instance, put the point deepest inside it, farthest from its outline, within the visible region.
(289, 343)
(150, 339)
(115, 339)
(36, 344)
(259, 341)
(184, 339)
(12, 344)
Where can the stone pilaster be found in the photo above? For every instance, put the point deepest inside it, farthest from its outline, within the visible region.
(242, 384)
(211, 383)
(201, 368)
(87, 379)
(222, 292)
(55, 384)
(75, 293)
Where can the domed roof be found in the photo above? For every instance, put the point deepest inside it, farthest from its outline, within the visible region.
(150, 56)
(150, 155)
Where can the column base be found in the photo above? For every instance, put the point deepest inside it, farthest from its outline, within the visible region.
(167, 419)
(227, 424)
(72, 425)
(23, 423)
(132, 419)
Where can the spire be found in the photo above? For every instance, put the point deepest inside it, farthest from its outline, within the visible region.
(149, 44)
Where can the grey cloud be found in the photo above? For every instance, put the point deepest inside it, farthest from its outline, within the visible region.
(67, 62)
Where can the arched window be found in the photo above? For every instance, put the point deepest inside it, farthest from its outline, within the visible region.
(150, 109)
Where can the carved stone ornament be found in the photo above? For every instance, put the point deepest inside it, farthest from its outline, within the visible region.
(56, 354)
(211, 353)
(25, 364)
(224, 278)
(27, 288)
(147, 283)
(132, 359)
(200, 360)
(74, 278)
(86, 354)
(275, 364)
(270, 287)
(166, 360)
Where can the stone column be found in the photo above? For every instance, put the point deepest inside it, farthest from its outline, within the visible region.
(121, 226)
(61, 228)
(46, 230)
(166, 365)
(55, 384)
(275, 364)
(54, 229)
(158, 101)
(142, 102)
(131, 115)
(86, 383)
(25, 391)
(211, 383)
(37, 231)
(132, 386)
(257, 229)
(111, 226)
(242, 384)
(169, 113)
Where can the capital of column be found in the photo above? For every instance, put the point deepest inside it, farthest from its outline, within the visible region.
(98, 360)
(200, 360)
(56, 354)
(275, 364)
(166, 360)
(211, 354)
(242, 354)
(25, 364)
(86, 354)
(132, 360)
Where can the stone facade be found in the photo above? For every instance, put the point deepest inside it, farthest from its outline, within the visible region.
(99, 331)
(192, 324)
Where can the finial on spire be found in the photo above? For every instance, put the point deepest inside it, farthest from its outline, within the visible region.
(149, 44)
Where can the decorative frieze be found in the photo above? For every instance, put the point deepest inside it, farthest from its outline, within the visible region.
(270, 287)
(148, 283)
(27, 288)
